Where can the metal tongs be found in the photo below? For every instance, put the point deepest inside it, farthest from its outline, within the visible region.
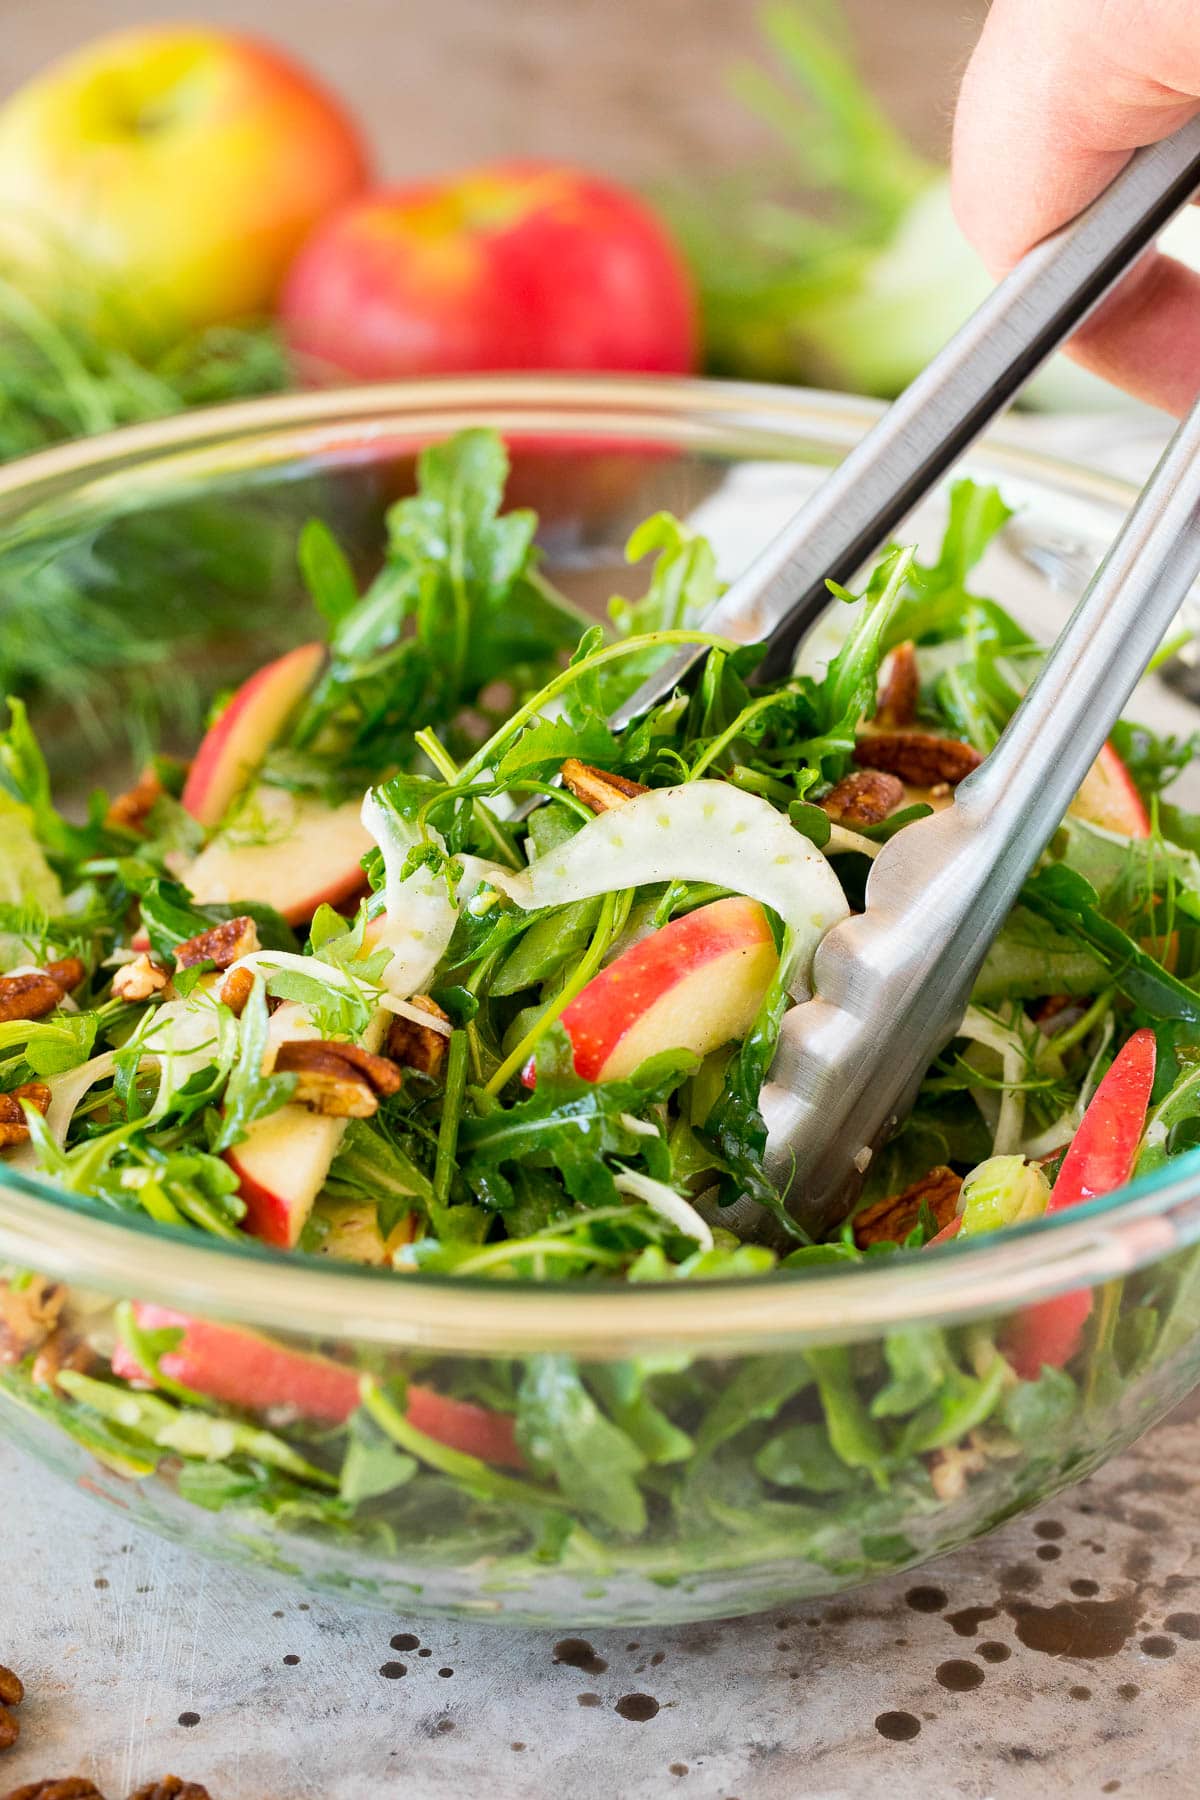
(890, 985)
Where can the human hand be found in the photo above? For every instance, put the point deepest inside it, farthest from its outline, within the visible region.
(1057, 96)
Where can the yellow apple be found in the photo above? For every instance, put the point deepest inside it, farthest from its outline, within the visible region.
(177, 169)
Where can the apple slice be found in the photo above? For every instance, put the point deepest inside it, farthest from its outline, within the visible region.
(240, 1368)
(1109, 799)
(235, 744)
(283, 1161)
(693, 985)
(288, 850)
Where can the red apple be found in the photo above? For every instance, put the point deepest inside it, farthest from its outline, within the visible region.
(186, 165)
(240, 1368)
(693, 985)
(236, 742)
(517, 265)
(1108, 798)
(290, 851)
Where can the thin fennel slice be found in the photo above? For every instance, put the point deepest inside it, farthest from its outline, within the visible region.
(419, 915)
(702, 831)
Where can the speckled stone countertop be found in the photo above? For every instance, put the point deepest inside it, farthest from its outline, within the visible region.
(1057, 1658)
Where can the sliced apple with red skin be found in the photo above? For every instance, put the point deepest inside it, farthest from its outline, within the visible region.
(290, 851)
(1109, 799)
(240, 1368)
(235, 743)
(695, 984)
(284, 1160)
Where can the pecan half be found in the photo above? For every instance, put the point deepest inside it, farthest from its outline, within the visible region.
(900, 688)
(864, 798)
(890, 1220)
(10, 1730)
(419, 1047)
(12, 1692)
(221, 944)
(61, 1787)
(132, 808)
(62, 1350)
(140, 979)
(340, 1079)
(66, 973)
(28, 996)
(236, 990)
(28, 1315)
(596, 787)
(13, 1129)
(917, 756)
(171, 1787)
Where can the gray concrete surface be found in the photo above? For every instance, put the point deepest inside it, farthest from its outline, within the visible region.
(1056, 1660)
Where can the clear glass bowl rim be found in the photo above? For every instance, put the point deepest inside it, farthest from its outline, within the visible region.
(62, 1236)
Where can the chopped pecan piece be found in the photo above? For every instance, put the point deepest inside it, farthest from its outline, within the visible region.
(890, 1220)
(236, 989)
(28, 996)
(917, 756)
(900, 689)
(28, 1315)
(221, 944)
(140, 979)
(66, 973)
(864, 798)
(62, 1350)
(61, 1787)
(596, 787)
(420, 1047)
(951, 1467)
(132, 808)
(171, 1787)
(340, 1079)
(13, 1129)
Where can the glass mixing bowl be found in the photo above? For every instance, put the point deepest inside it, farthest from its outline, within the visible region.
(701, 1415)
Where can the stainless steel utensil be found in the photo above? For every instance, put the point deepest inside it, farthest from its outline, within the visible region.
(891, 984)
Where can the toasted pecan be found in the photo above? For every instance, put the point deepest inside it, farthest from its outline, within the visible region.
(416, 1046)
(61, 1350)
(28, 1314)
(66, 973)
(598, 788)
(339, 1079)
(863, 798)
(236, 990)
(13, 1129)
(917, 756)
(132, 808)
(57, 1787)
(220, 945)
(138, 980)
(12, 1688)
(10, 1731)
(952, 1465)
(899, 689)
(171, 1787)
(890, 1220)
(29, 996)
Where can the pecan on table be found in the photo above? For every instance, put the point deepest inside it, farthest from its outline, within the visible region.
(12, 1692)
(13, 1129)
(171, 1787)
(57, 1787)
(899, 689)
(863, 798)
(598, 788)
(415, 1046)
(139, 980)
(28, 1315)
(890, 1220)
(917, 756)
(220, 945)
(342, 1080)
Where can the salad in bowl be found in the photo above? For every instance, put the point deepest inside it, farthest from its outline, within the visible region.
(415, 965)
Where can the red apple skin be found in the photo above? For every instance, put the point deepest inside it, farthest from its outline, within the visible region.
(236, 742)
(188, 164)
(514, 265)
(1108, 798)
(240, 1368)
(692, 985)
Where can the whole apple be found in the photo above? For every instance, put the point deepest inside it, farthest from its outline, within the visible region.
(517, 265)
(177, 170)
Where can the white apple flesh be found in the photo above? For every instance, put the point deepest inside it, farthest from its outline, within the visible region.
(289, 851)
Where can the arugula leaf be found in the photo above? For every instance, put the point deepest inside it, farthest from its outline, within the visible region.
(326, 572)
(594, 1462)
(1071, 904)
(171, 917)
